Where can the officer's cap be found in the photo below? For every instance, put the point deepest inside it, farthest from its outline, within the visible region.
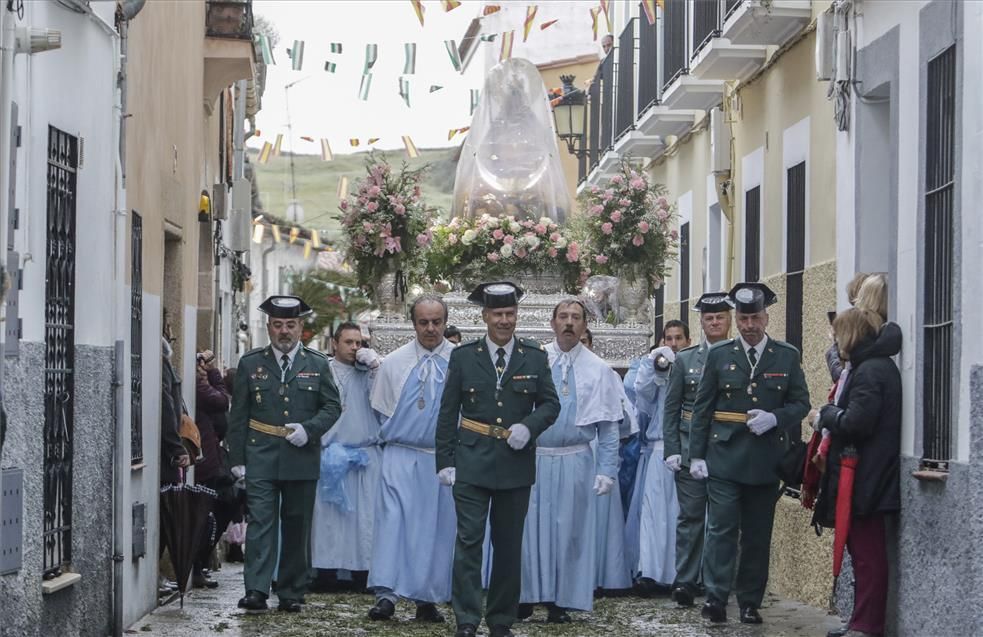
(496, 294)
(750, 298)
(285, 307)
(714, 302)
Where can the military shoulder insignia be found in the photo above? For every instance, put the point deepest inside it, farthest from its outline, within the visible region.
(691, 347)
(252, 352)
(772, 341)
(531, 344)
(315, 352)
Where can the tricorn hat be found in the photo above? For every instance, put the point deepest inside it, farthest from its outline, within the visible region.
(753, 297)
(285, 306)
(496, 294)
(714, 302)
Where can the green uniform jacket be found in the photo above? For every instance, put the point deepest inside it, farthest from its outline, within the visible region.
(684, 379)
(309, 396)
(528, 397)
(731, 451)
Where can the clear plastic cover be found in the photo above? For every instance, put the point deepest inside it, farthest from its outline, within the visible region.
(510, 164)
(600, 295)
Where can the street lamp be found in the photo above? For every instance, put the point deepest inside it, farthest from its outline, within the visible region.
(570, 116)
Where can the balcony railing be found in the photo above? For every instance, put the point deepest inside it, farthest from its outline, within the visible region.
(674, 41)
(607, 103)
(648, 65)
(231, 19)
(730, 6)
(594, 109)
(706, 22)
(624, 119)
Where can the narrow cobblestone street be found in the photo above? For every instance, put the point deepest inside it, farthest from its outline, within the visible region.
(208, 613)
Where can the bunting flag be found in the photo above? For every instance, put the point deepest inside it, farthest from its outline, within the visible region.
(606, 8)
(450, 5)
(266, 49)
(326, 150)
(258, 233)
(491, 8)
(547, 25)
(404, 90)
(371, 55)
(336, 47)
(297, 55)
(330, 67)
(435, 87)
(419, 9)
(409, 67)
(276, 146)
(411, 150)
(343, 188)
(649, 7)
(527, 25)
(457, 131)
(276, 233)
(475, 94)
(488, 37)
(594, 12)
(315, 240)
(372, 140)
(294, 232)
(353, 142)
(307, 250)
(506, 52)
(454, 54)
(306, 138)
(363, 89)
(257, 133)
(264, 154)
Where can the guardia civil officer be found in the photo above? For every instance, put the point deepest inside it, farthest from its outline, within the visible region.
(283, 401)
(493, 385)
(684, 379)
(750, 403)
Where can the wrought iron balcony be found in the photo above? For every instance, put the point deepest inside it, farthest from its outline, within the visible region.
(673, 41)
(706, 23)
(607, 103)
(231, 19)
(765, 22)
(624, 118)
(648, 65)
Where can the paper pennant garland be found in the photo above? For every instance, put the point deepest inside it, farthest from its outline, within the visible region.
(297, 55)
(594, 12)
(457, 131)
(527, 25)
(419, 9)
(363, 89)
(488, 37)
(649, 7)
(307, 250)
(411, 150)
(266, 49)
(506, 52)
(450, 5)
(315, 239)
(608, 10)
(475, 94)
(454, 54)
(409, 67)
(435, 87)
(264, 154)
(306, 138)
(326, 150)
(372, 140)
(491, 8)
(353, 141)
(371, 55)
(404, 90)
(336, 47)
(258, 233)
(294, 232)
(547, 25)
(276, 233)
(343, 188)
(330, 67)
(277, 144)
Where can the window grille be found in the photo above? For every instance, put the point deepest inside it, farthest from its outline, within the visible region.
(684, 268)
(136, 340)
(674, 41)
(752, 234)
(795, 252)
(607, 102)
(625, 103)
(648, 64)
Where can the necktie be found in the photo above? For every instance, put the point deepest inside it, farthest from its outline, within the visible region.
(500, 362)
(752, 355)
(285, 363)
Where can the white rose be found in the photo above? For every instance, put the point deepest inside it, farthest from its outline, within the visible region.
(545, 221)
(468, 237)
(514, 227)
(492, 222)
(506, 250)
(560, 243)
(532, 242)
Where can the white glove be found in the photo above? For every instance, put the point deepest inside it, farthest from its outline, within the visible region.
(759, 421)
(447, 476)
(518, 436)
(665, 351)
(297, 437)
(239, 471)
(368, 357)
(698, 469)
(674, 462)
(603, 484)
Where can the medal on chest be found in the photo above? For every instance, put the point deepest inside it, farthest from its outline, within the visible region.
(420, 403)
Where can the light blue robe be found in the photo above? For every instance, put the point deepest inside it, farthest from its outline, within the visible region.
(343, 539)
(650, 530)
(559, 541)
(416, 525)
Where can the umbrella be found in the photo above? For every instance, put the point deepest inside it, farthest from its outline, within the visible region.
(184, 510)
(844, 504)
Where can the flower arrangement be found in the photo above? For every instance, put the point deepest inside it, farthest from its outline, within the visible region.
(627, 228)
(490, 247)
(385, 221)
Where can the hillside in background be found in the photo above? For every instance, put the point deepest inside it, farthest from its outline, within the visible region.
(317, 182)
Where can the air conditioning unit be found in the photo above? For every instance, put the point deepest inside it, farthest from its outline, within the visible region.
(843, 50)
(720, 137)
(825, 45)
(219, 210)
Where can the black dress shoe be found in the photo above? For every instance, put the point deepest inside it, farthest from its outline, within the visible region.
(682, 596)
(499, 630)
(557, 615)
(714, 611)
(253, 602)
(838, 632)
(749, 615)
(525, 611)
(466, 630)
(200, 580)
(289, 605)
(383, 609)
(428, 613)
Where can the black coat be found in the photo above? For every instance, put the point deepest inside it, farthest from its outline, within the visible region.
(211, 404)
(170, 424)
(868, 417)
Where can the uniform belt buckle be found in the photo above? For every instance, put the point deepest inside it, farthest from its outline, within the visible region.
(500, 433)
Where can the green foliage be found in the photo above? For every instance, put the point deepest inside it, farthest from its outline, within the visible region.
(334, 296)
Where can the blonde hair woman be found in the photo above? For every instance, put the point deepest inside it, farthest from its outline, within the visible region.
(872, 295)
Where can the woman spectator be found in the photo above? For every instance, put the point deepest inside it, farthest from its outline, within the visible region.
(832, 357)
(872, 295)
(212, 402)
(865, 416)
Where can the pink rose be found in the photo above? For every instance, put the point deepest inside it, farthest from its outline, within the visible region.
(520, 253)
(624, 203)
(372, 206)
(493, 257)
(637, 240)
(617, 179)
(616, 216)
(374, 191)
(663, 202)
(573, 251)
(601, 259)
(399, 209)
(662, 214)
(509, 239)
(552, 252)
(555, 237)
(643, 226)
(540, 228)
(344, 204)
(674, 235)
(527, 224)
(452, 238)
(498, 234)
(596, 209)
(637, 183)
(422, 239)
(368, 227)
(607, 228)
(594, 190)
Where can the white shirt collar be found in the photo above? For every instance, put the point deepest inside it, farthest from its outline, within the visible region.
(759, 348)
(493, 349)
(291, 355)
